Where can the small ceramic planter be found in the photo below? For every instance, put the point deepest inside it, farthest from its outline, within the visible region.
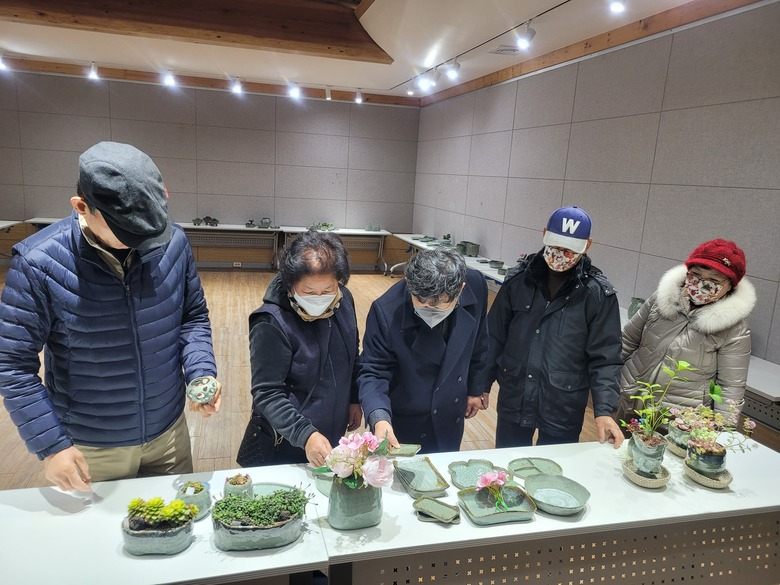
(156, 542)
(256, 537)
(709, 464)
(244, 490)
(265, 222)
(202, 389)
(201, 499)
(647, 458)
(678, 436)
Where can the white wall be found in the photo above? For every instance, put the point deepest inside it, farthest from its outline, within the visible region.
(666, 144)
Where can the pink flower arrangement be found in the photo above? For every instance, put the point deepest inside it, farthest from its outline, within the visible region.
(493, 481)
(361, 459)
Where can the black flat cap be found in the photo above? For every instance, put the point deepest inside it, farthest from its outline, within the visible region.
(127, 187)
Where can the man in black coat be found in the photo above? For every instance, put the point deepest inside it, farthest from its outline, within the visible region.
(424, 353)
(555, 339)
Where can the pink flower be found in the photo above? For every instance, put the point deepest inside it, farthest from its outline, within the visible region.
(378, 472)
(371, 441)
(354, 441)
(749, 424)
(497, 478)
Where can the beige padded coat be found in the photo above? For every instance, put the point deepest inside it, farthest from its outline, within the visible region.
(714, 338)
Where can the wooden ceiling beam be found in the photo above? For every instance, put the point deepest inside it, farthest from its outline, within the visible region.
(307, 27)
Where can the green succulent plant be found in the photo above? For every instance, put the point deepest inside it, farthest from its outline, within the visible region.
(155, 514)
(279, 506)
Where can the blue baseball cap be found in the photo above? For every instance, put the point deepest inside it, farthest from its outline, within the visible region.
(568, 227)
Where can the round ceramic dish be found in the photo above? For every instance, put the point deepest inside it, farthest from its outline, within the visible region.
(719, 482)
(556, 494)
(629, 470)
(528, 466)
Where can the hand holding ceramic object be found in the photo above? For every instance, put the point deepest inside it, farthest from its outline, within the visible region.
(202, 389)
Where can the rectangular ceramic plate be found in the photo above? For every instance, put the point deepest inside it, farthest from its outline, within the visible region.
(405, 450)
(432, 510)
(420, 478)
(481, 510)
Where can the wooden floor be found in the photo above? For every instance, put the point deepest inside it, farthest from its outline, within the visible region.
(231, 296)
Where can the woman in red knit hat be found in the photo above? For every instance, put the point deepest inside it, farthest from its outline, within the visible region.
(698, 314)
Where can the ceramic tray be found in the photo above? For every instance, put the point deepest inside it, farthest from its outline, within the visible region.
(720, 481)
(556, 494)
(405, 450)
(430, 509)
(629, 470)
(480, 506)
(528, 466)
(674, 448)
(465, 474)
(420, 478)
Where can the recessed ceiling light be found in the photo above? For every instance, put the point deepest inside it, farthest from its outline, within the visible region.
(294, 91)
(169, 79)
(93, 72)
(236, 87)
(617, 7)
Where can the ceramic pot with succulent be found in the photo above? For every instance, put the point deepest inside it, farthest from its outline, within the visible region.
(647, 445)
(197, 493)
(361, 468)
(266, 521)
(154, 527)
(239, 484)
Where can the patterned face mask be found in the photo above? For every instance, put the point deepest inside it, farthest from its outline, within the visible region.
(560, 259)
(702, 291)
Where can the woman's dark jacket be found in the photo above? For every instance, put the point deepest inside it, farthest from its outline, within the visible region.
(118, 352)
(408, 370)
(290, 357)
(548, 354)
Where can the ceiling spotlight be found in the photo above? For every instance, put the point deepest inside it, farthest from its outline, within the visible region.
(617, 7)
(524, 39)
(328, 97)
(452, 70)
(423, 82)
(410, 89)
(358, 96)
(169, 79)
(435, 76)
(236, 87)
(93, 72)
(3, 66)
(294, 91)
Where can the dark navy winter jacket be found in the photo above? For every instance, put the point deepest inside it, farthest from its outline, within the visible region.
(408, 370)
(117, 352)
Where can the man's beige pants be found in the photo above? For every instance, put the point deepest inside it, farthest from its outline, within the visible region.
(170, 453)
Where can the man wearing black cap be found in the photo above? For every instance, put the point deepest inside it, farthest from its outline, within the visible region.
(554, 340)
(112, 295)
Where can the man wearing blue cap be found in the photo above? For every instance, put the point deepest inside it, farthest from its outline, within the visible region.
(112, 296)
(555, 339)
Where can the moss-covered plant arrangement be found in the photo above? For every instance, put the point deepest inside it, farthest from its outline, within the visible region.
(264, 522)
(154, 527)
(197, 493)
(239, 484)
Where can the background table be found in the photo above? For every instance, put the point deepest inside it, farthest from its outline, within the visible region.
(354, 239)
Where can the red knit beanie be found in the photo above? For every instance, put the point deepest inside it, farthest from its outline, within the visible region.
(721, 255)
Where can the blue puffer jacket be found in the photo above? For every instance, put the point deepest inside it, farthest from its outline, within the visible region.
(117, 354)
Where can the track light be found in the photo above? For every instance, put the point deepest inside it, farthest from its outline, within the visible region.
(423, 82)
(410, 89)
(294, 91)
(169, 79)
(358, 96)
(93, 72)
(617, 7)
(236, 87)
(328, 97)
(452, 70)
(435, 76)
(524, 39)
(3, 66)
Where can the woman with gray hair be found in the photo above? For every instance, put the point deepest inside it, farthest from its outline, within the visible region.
(424, 353)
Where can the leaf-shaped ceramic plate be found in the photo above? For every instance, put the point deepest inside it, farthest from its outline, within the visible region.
(528, 466)
(556, 494)
(465, 474)
(405, 450)
(420, 478)
(480, 506)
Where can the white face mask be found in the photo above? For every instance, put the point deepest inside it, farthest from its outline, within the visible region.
(314, 305)
(560, 260)
(433, 317)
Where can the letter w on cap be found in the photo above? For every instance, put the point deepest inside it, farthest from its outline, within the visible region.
(569, 225)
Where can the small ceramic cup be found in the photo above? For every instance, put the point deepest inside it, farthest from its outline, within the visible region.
(202, 389)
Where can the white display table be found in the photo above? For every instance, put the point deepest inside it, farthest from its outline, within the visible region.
(6, 225)
(53, 537)
(626, 534)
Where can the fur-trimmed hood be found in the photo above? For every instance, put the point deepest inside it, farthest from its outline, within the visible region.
(722, 314)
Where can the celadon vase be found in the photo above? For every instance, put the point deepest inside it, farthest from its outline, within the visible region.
(353, 508)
